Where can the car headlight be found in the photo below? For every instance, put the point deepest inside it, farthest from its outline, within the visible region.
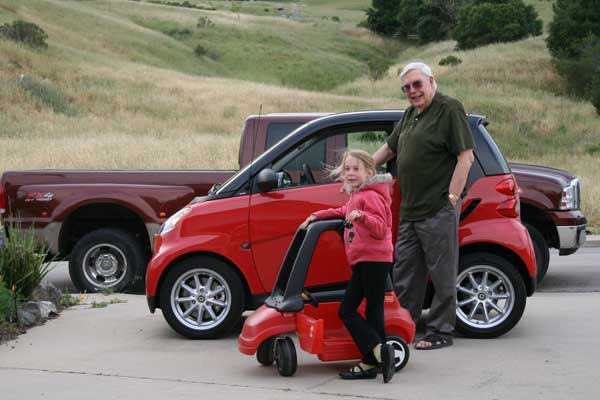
(174, 220)
(569, 196)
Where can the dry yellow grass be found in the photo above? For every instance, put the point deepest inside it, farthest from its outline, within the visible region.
(151, 118)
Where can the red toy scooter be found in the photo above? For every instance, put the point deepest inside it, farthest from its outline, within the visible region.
(313, 316)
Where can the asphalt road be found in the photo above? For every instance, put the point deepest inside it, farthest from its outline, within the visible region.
(124, 352)
(579, 272)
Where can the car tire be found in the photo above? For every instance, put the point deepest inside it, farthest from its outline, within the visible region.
(542, 252)
(285, 356)
(401, 351)
(491, 296)
(202, 297)
(106, 259)
(265, 355)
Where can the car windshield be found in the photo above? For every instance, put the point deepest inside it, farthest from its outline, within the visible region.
(226, 186)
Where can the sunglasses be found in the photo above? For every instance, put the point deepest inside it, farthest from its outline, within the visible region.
(417, 85)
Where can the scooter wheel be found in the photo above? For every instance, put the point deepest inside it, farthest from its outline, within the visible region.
(401, 351)
(265, 354)
(285, 356)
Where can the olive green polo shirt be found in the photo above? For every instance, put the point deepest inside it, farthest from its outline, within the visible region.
(427, 145)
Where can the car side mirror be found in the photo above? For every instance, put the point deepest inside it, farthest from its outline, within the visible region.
(266, 180)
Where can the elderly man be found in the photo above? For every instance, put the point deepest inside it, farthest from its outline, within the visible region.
(433, 147)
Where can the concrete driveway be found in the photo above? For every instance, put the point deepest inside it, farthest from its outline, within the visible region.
(123, 352)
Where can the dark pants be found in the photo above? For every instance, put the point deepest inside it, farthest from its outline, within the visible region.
(367, 282)
(429, 248)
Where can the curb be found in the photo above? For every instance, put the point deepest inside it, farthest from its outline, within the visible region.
(592, 241)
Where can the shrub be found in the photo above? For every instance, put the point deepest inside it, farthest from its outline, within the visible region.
(22, 261)
(235, 7)
(595, 92)
(335, 19)
(450, 60)
(25, 32)
(179, 33)
(377, 68)
(377, 137)
(6, 302)
(595, 149)
(205, 22)
(579, 71)
(200, 51)
(503, 21)
(47, 94)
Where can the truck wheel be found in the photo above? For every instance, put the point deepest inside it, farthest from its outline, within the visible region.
(285, 356)
(106, 259)
(401, 351)
(491, 296)
(542, 253)
(202, 297)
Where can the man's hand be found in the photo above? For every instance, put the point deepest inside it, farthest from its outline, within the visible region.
(307, 221)
(354, 215)
(383, 155)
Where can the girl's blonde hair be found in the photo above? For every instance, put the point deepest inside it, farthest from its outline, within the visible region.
(361, 155)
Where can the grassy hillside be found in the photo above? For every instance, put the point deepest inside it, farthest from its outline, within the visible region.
(121, 86)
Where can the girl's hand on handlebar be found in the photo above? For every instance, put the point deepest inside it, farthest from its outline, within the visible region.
(354, 215)
(307, 221)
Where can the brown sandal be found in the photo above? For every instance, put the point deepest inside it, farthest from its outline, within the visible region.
(437, 342)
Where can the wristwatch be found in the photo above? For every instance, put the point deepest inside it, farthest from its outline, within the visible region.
(453, 198)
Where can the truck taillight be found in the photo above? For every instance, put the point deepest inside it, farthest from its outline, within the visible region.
(2, 201)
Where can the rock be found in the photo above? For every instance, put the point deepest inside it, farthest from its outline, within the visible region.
(29, 314)
(33, 312)
(47, 309)
(47, 292)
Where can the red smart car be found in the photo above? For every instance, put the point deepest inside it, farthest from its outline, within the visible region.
(220, 255)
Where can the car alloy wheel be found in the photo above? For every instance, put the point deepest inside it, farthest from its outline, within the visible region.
(485, 296)
(201, 299)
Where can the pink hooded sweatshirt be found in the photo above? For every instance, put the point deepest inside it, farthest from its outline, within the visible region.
(372, 240)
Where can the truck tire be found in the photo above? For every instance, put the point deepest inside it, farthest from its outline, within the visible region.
(202, 297)
(491, 296)
(542, 252)
(106, 259)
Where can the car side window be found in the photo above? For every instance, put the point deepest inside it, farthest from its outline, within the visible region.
(311, 162)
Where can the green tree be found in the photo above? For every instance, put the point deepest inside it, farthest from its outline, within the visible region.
(428, 20)
(574, 42)
(573, 22)
(382, 17)
(499, 21)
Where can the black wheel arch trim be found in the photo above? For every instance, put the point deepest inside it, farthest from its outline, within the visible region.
(530, 281)
(248, 298)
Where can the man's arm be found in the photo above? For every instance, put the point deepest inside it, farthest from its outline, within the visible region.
(461, 172)
(383, 155)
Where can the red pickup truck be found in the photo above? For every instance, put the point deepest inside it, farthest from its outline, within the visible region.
(103, 222)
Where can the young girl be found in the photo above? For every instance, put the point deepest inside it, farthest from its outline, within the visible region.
(368, 243)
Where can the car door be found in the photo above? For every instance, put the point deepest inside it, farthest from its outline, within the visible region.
(307, 187)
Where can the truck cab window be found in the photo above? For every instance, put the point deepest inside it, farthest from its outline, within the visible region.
(277, 131)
